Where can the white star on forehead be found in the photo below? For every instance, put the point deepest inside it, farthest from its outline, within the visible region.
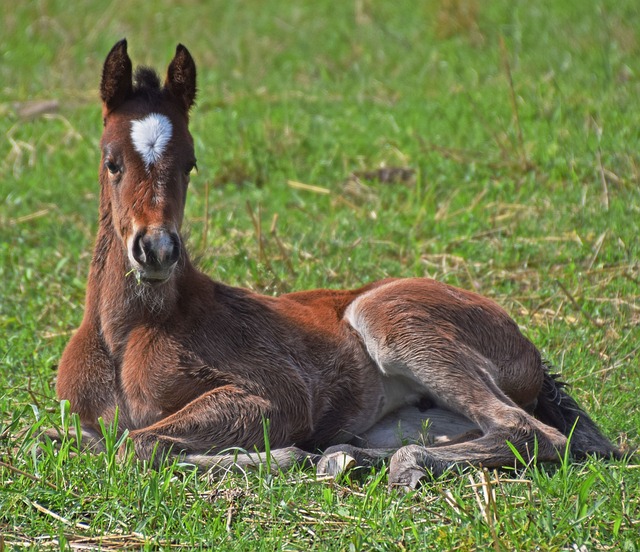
(150, 137)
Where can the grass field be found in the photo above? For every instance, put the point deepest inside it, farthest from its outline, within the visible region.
(521, 123)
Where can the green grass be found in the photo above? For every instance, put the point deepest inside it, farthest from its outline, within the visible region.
(537, 207)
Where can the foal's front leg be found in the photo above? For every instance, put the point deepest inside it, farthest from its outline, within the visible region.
(220, 430)
(87, 379)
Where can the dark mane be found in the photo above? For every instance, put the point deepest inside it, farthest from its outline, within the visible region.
(146, 83)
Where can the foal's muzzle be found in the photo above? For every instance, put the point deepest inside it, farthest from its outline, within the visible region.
(154, 252)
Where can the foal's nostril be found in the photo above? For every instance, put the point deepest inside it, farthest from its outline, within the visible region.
(137, 249)
(156, 249)
(175, 248)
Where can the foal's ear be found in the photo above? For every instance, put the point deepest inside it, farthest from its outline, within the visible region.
(117, 82)
(181, 78)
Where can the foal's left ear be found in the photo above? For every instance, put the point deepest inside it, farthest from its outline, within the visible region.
(181, 78)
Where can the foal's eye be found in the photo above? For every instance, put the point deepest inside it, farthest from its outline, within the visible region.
(112, 167)
(191, 168)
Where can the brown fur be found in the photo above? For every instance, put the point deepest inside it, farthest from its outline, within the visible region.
(195, 367)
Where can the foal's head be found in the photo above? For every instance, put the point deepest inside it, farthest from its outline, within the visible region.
(147, 155)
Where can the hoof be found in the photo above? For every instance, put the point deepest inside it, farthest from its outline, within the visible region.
(412, 465)
(335, 464)
(408, 479)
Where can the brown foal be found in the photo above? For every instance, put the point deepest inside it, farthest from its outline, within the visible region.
(424, 373)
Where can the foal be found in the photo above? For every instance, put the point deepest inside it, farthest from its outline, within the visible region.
(195, 367)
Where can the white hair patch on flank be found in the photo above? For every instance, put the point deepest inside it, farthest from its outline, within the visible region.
(150, 137)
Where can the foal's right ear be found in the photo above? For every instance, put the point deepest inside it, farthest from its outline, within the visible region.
(117, 81)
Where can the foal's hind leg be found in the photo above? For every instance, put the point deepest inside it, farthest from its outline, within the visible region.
(499, 419)
(414, 424)
(423, 345)
(464, 385)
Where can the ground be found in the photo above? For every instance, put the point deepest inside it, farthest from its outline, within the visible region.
(514, 129)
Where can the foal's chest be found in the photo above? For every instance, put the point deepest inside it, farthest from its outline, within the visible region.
(154, 379)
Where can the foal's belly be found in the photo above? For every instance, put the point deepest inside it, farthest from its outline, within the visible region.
(399, 391)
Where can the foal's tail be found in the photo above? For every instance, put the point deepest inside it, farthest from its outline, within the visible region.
(556, 408)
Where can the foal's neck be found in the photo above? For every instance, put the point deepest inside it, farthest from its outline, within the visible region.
(118, 300)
